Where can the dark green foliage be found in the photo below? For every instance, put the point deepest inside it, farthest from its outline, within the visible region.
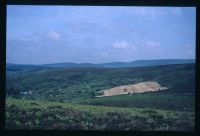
(80, 83)
(155, 100)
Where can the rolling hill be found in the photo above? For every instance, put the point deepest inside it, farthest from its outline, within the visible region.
(73, 83)
(137, 63)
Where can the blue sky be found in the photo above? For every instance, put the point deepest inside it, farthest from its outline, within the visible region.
(98, 34)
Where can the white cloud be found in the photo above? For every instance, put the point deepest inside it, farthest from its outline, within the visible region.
(54, 35)
(120, 45)
(41, 36)
(148, 11)
(144, 11)
(152, 44)
(177, 11)
(151, 48)
(156, 11)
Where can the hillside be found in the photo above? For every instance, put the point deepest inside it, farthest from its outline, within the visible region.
(67, 84)
(24, 114)
(23, 67)
(137, 63)
(81, 85)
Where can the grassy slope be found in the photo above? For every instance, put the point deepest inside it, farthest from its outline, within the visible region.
(27, 114)
(166, 101)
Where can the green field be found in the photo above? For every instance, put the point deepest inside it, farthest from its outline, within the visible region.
(64, 98)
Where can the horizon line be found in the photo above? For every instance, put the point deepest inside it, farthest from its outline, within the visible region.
(96, 63)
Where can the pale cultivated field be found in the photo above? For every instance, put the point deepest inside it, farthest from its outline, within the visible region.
(142, 87)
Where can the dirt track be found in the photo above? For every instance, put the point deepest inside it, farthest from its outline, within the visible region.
(134, 88)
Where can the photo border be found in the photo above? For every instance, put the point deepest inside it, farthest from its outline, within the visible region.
(171, 3)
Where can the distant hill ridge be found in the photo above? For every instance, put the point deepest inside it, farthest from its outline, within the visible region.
(136, 63)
